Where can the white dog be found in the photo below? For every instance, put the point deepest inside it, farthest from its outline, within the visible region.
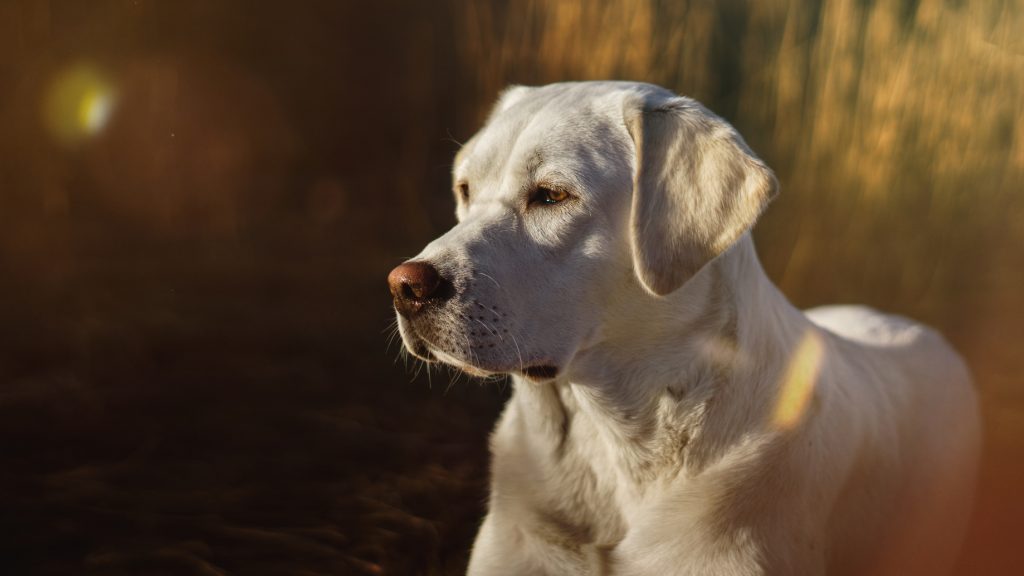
(673, 413)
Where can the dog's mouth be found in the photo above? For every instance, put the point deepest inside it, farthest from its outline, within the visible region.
(422, 346)
(423, 349)
(538, 373)
(541, 372)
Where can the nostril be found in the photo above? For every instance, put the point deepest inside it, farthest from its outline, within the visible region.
(407, 292)
(444, 290)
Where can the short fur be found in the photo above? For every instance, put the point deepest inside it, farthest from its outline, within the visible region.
(698, 423)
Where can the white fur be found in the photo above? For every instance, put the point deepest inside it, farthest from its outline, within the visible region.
(664, 444)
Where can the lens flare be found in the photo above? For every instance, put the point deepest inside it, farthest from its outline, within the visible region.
(94, 110)
(78, 104)
(798, 383)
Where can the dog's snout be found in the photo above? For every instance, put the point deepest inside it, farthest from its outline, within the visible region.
(413, 284)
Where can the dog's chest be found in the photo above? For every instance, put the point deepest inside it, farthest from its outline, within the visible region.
(554, 477)
(570, 478)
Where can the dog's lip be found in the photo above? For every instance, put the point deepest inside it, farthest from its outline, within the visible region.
(424, 349)
(466, 367)
(417, 345)
(534, 372)
(541, 372)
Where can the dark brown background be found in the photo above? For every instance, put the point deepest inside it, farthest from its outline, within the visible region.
(194, 374)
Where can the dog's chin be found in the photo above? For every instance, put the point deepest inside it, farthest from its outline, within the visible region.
(423, 350)
(466, 367)
(539, 371)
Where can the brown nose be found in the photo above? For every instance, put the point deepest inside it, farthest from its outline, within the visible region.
(414, 284)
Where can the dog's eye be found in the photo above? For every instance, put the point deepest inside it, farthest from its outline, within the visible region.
(548, 196)
(463, 189)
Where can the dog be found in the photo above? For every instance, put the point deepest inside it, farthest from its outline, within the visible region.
(672, 412)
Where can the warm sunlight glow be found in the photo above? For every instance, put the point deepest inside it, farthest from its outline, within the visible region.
(94, 110)
(78, 104)
(799, 381)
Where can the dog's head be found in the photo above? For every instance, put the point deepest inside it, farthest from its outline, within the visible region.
(574, 197)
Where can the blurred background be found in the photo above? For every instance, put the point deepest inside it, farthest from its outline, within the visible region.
(200, 201)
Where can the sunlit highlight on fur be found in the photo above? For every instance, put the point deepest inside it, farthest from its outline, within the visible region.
(799, 381)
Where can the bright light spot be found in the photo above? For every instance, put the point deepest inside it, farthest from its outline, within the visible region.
(94, 111)
(78, 104)
(799, 381)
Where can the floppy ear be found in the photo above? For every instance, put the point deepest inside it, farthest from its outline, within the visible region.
(696, 189)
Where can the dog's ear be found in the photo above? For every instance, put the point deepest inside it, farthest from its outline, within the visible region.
(697, 188)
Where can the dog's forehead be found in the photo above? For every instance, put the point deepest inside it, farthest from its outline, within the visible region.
(576, 130)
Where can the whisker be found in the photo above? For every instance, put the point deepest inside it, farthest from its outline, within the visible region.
(522, 368)
(391, 339)
(401, 354)
(491, 278)
(451, 382)
(452, 138)
(493, 331)
(392, 322)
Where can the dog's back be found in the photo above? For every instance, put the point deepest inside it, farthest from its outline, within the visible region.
(921, 398)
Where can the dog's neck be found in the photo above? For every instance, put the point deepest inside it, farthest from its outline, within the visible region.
(661, 370)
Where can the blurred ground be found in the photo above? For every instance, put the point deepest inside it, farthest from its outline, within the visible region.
(199, 202)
